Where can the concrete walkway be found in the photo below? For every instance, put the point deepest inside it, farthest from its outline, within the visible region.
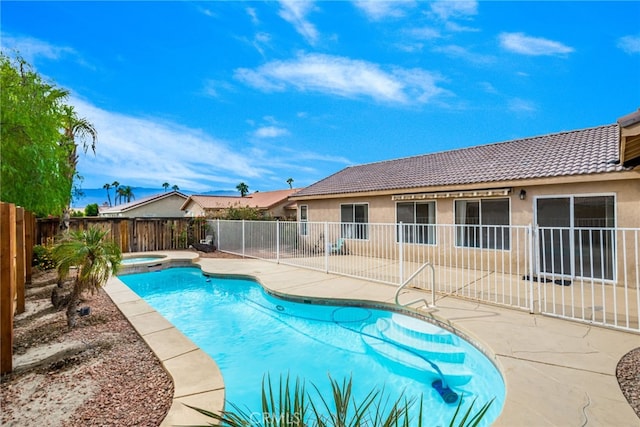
(557, 372)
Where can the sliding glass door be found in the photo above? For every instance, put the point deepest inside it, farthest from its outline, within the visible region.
(576, 236)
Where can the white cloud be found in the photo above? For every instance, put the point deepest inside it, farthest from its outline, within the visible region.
(446, 10)
(455, 51)
(488, 88)
(520, 106)
(424, 33)
(295, 12)
(343, 77)
(270, 132)
(457, 28)
(251, 11)
(629, 44)
(214, 87)
(534, 46)
(380, 10)
(148, 151)
(31, 48)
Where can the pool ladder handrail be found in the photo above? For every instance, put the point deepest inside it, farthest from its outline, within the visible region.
(433, 287)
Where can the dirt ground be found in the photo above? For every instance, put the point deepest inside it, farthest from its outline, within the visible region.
(102, 373)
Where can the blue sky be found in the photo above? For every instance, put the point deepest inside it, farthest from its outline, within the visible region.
(206, 95)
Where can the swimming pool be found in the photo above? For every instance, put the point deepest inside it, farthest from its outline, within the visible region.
(250, 333)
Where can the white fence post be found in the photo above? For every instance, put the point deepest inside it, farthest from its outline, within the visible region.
(401, 253)
(326, 247)
(278, 241)
(531, 269)
(243, 224)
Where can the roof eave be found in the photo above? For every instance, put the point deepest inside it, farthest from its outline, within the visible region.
(565, 179)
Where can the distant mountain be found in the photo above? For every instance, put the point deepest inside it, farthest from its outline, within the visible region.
(99, 195)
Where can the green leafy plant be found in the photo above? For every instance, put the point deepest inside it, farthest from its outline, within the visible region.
(243, 212)
(93, 259)
(290, 405)
(43, 257)
(91, 209)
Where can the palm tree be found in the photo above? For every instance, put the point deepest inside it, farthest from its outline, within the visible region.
(175, 188)
(119, 194)
(290, 182)
(94, 258)
(165, 186)
(127, 193)
(107, 186)
(243, 189)
(75, 129)
(116, 184)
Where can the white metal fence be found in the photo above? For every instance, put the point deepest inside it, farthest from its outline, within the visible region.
(585, 274)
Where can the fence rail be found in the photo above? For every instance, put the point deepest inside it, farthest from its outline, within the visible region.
(584, 274)
(133, 234)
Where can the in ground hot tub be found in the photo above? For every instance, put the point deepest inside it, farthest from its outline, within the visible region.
(141, 262)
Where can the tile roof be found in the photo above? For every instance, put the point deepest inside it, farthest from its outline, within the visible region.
(260, 200)
(579, 152)
(139, 202)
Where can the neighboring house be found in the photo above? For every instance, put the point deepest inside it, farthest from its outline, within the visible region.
(273, 204)
(576, 179)
(162, 205)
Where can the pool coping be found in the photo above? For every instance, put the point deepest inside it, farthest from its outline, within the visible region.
(580, 369)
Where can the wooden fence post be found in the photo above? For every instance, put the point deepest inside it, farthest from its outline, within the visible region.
(7, 280)
(29, 243)
(20, 260)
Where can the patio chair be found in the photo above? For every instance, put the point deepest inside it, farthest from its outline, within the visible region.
(338, 247)
(207, 240)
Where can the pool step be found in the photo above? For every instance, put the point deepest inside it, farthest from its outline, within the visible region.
(431, 346)
(420, 329)
(418, 360)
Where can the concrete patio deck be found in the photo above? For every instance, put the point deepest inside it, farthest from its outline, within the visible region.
(557, 372)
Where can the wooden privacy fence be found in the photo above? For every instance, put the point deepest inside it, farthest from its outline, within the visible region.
(133, 234)
(17, 231)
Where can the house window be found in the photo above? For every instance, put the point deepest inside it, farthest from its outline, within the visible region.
(482, 223)
(354, 220)
(304, 209)
(418, 222)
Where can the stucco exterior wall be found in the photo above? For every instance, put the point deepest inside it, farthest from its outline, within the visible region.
(168, 207)
(382, 209)
(193, 210)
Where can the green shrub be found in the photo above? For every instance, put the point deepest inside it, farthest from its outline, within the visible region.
(288, 404)
(43, 258)
(91, 209)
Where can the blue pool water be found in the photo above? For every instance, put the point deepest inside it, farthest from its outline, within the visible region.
(250, 333)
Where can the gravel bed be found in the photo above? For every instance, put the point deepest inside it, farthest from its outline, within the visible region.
(628, 374)
(115, 380)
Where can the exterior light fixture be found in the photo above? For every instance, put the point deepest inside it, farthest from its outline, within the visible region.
(523, 194)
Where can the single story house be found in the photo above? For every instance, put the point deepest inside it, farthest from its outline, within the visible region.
(571, 183)
(272, 204)
(162, 205)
